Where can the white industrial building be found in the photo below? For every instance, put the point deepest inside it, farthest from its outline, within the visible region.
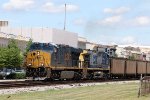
(52, 35)
(139, 52)
(21, 41)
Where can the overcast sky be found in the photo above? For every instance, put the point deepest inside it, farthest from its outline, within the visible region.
(101, 21)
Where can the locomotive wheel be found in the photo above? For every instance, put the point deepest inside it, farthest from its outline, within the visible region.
(90, 76)
(77, 76)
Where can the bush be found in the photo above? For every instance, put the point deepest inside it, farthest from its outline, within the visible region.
(16, 76)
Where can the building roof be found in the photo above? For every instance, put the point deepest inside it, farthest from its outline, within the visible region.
(18, 37)
(134, 46)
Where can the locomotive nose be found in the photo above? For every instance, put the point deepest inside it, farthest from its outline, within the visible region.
(37, 59)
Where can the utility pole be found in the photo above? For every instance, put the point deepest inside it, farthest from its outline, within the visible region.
(31, 33)
(65, 19)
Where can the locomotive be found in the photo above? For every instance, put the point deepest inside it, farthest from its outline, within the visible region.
(65, 62)
(51, 61)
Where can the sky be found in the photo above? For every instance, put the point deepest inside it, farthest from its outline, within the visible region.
(122, 22)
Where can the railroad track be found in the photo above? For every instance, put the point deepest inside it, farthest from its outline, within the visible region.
(30, 83)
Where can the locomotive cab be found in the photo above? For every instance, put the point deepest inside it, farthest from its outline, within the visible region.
(38, 58)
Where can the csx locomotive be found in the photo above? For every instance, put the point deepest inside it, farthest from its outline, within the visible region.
(65, 62)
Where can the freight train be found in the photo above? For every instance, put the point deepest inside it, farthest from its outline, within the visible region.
(64, 62)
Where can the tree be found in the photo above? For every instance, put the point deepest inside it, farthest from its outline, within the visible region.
(132, 57)
(13, 55)
(3, 54)
(28, 46)
(12, 44)
(10, 56)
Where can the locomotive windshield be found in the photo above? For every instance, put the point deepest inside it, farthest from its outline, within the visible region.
(36, 46)
(42, 46)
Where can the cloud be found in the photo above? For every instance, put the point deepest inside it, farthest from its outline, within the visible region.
(113, 39)
(79, 21)
(18, 5)
(119, 10)
(141, 21)
(121, 22)
(128, 40)
(111, 20)
(52, 8)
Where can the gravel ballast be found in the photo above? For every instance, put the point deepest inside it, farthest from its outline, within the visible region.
(57, 87)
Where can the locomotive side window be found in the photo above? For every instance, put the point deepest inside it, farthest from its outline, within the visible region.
(48, 47)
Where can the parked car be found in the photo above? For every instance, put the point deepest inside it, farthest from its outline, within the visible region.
(5, 72)
(19, 71)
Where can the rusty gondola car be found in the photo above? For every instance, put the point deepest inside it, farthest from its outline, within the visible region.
(121, 67)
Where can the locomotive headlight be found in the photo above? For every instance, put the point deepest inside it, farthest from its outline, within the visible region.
(38, 53)
(29, 64)
(42, 64)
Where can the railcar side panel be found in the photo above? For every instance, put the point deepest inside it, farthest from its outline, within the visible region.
(141, 67)
(148, 68)
(117, 66)
(130, 67)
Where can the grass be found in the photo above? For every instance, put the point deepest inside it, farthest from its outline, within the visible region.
(101, 92)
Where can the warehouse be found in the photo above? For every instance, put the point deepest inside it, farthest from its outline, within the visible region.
(52, 35)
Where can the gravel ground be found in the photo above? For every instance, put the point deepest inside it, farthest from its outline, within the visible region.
(57, 87)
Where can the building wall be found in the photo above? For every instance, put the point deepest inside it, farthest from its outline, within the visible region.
(90, 45)
(21, 44)
(82, 42)
(142, 54)
(3, 23)
(81, 45)
(64, 37)
(55, 36)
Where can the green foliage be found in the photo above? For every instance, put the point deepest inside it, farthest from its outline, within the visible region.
(28, 46)
(12, 44)
(3, 55)
(16, 76)
(116, 55)
(11, 55)
(132, 57)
